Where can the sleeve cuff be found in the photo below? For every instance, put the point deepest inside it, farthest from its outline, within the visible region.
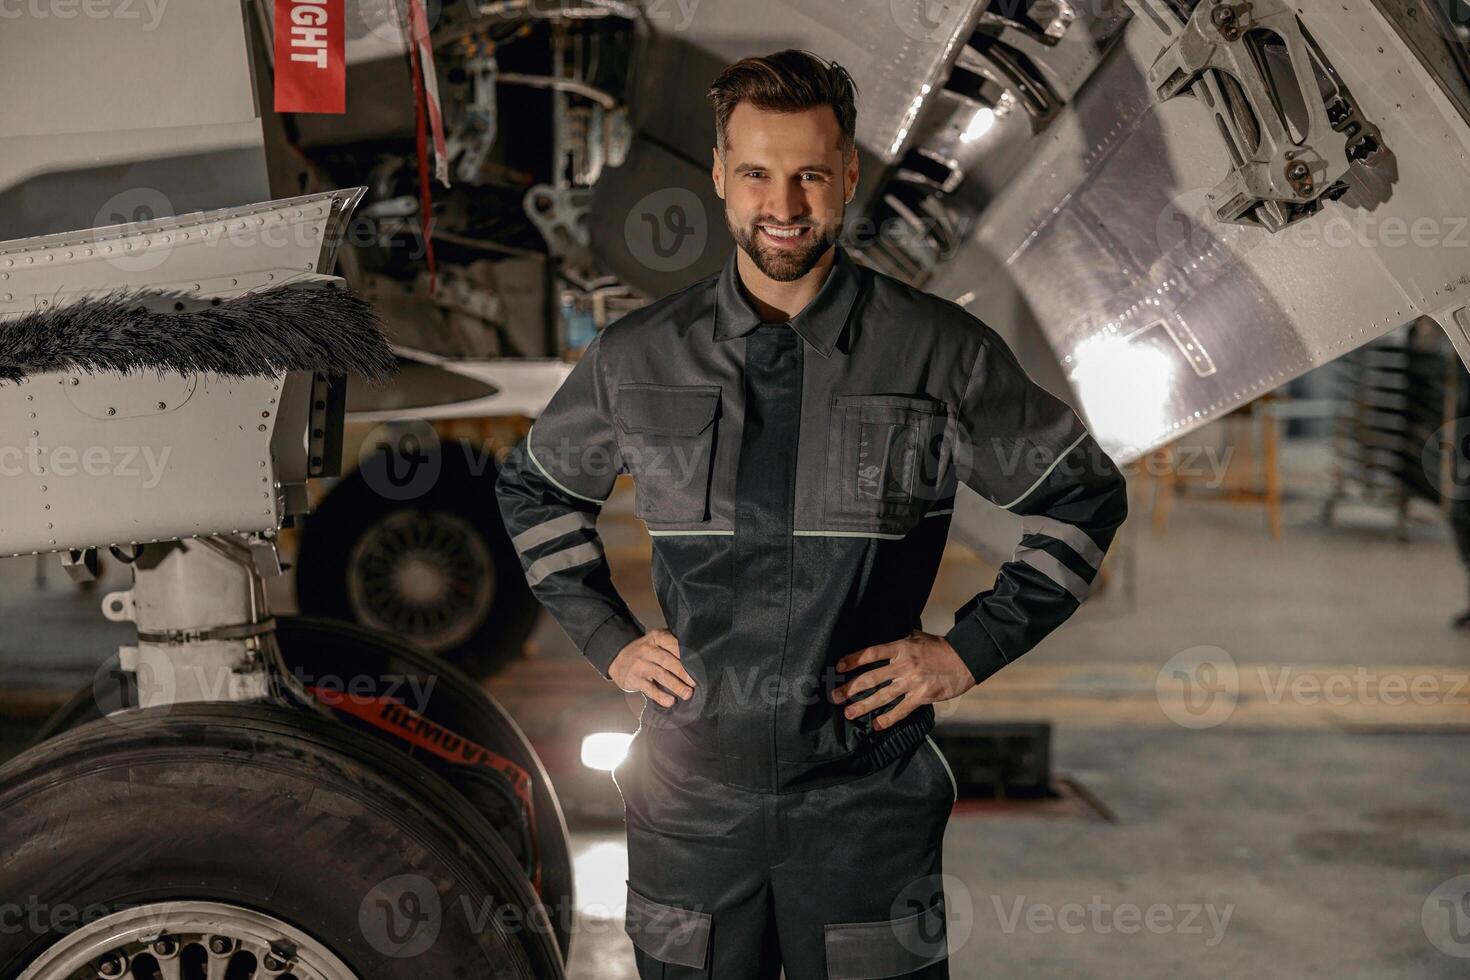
(609, 639)
(979, 652)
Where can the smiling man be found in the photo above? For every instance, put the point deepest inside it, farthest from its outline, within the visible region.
(796, 428)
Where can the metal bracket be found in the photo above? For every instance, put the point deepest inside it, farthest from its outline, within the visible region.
(264, 555)
(118, 607)
(1290, 127)
(81, 564)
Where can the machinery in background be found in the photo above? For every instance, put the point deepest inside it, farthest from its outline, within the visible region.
(190, 798)
(1166, 207)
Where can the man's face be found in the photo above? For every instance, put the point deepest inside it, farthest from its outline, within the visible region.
(785, 184)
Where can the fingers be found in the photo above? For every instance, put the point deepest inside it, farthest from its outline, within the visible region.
(664, 640)
(880, 697)
(864, 682)
(671, 681)
(866, 655)
(658, 672)
(653, 692)
(897, 713)
(672, 665)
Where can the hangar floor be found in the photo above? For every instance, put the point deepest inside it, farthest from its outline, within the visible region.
(1315, 825)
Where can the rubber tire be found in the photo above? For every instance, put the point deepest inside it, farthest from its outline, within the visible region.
(352, 507)
(321, 647)
(317, 647)
(270, 808)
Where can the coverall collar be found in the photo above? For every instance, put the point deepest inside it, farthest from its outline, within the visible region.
(820, 322)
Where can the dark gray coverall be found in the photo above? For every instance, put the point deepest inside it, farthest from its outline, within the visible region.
(798, 480)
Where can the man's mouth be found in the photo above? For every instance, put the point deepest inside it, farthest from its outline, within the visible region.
(785, 236)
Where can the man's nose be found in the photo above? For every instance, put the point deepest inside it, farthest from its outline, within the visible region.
(788, 204)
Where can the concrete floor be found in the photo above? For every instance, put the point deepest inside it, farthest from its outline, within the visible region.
(1276, 726)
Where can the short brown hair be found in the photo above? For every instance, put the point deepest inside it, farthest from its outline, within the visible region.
(787, 81)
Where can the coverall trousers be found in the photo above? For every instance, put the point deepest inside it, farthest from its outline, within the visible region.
(842, 882)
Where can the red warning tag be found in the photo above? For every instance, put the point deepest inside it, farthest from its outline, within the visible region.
(311, 61)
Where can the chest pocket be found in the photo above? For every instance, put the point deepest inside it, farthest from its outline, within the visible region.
(668, 444)
(888, 457)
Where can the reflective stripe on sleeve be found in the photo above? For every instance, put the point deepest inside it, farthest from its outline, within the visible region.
(1069, 534)
(554, 528)
(1053, 569)
(561, 560)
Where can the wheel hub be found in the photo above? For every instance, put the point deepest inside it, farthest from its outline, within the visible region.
(424, 575)
(187, 941)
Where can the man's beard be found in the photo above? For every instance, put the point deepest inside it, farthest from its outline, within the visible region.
(784, 265)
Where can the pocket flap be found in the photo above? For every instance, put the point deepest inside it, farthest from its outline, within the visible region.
(872, 950)
(875, 407)
(681, 410)
(667, 933)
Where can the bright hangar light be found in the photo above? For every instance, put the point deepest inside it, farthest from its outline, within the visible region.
(1125, 387)
(605, 750)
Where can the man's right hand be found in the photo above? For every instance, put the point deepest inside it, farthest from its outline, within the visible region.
(650, 665)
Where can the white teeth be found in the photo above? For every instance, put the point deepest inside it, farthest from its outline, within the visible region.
(781, 232)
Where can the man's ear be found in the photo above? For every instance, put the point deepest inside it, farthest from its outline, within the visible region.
(717, 171)
(850, 177)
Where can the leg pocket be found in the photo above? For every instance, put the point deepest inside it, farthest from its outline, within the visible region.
(667, 440)
(667, 933)
(949, 789)
(895, 948)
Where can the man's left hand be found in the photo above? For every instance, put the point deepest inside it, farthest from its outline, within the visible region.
(922, 669)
